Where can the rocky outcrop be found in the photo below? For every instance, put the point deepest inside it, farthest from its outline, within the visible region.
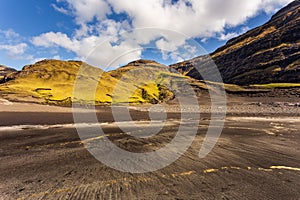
(267, 54)
(4, 71)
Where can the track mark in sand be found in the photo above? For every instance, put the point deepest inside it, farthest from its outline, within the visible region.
(268, 132)
(126, 182)
(108, 183)
(210, 170)
(78, 142)
(52, 145)
(51, 190)
(183, 174)
(264, 169)
(237, 168)
(285, 168)
(276, 125)
(267, 119)
(222, 168)
(252, 168)
(62, 190)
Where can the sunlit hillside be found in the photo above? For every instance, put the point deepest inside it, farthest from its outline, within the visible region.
(52, 81)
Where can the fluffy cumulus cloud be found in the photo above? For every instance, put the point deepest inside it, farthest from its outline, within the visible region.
(17, 48)
(87, 10)
(14, 50)
(168, 24)
(226, 36)
(55, 39)
(270, 6)
(11, 43)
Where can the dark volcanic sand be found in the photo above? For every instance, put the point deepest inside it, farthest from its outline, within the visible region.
(53, 163)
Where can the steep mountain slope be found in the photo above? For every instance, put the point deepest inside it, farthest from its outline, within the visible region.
(52, 81)
(267, 54)
(5, 71)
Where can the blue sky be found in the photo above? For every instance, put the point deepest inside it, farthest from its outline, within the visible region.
(111, 32)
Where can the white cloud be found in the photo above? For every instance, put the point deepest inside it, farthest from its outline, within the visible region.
(9, 34)
(60, 9)
(56, 39)
(271, 6)
(194, 18)
(14, 50)
(227, 36)
(95, 50)
(33, 59)
(203, 19)
(86, 10)
(12, 45)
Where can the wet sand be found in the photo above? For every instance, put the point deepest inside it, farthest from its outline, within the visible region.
(256, 157)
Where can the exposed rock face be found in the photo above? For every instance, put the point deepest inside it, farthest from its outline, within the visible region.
(5, 71)
(267, 54)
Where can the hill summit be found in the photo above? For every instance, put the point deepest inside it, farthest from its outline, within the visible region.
(4, 71)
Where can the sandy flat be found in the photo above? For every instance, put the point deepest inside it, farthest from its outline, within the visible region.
(8, 106)
(42, 156)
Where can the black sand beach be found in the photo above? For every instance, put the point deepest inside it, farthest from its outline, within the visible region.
(256, 157)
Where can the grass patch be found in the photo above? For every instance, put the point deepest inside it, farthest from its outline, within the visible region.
(246, 41)
(276, 85)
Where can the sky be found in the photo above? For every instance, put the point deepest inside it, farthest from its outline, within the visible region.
(111, 33)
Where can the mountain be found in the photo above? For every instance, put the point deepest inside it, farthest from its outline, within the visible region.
(5, 71)
(52, 82)
(267, 54)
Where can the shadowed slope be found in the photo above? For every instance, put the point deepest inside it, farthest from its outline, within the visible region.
(267, 54)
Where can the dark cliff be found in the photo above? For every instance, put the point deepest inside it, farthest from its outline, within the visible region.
(267, 54)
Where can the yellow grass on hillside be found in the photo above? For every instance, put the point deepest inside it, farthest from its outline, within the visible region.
(245, 42)
(277, 85)
(53, 81)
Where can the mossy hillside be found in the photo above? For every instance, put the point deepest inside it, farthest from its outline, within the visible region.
(150, 81)
(54, 80)
(277, 85)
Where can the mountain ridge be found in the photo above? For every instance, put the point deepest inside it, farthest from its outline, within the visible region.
(266, 54)
(262, 58)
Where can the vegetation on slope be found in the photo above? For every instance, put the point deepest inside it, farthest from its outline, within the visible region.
(149, 81)
(52, 81)
(277, 85)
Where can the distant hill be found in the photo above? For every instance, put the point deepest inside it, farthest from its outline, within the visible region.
(267, 54)
(52, 82)
(5, 71)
